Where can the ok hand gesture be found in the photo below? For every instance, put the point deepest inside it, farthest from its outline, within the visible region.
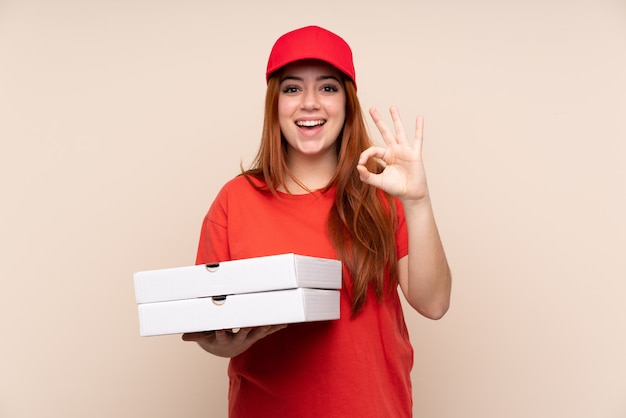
(403, 174)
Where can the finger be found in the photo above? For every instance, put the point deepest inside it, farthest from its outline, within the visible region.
(397, 123)
(385, 132)
(275, 328)
(372, 152)
(260, 332)
(221, 337)
(364, 173)
(370, 178)
(266, 331)
(194, 336)
(419, 132)
(241, 335)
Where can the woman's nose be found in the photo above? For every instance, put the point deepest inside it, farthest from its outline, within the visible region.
(310, 100)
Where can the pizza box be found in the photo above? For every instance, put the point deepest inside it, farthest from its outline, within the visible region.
(259, 274)
(238, 311)
(277, 289)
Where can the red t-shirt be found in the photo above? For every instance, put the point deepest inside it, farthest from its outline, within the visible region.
(351, 367)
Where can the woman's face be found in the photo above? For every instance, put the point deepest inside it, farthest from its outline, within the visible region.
(311, 107)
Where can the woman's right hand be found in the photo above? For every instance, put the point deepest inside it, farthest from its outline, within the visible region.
(226, 343)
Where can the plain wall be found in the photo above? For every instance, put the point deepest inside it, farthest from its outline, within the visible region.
(120, 120)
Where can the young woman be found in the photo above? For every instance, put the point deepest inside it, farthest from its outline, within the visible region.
(319, 187)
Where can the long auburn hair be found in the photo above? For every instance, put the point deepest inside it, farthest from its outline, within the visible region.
(362, 222)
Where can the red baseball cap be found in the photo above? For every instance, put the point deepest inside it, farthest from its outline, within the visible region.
(311, 42)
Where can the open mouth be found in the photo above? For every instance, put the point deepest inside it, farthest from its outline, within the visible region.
(310, 123)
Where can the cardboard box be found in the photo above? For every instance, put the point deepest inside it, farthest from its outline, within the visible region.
(259, 274)
(238, 311)
(277, 289)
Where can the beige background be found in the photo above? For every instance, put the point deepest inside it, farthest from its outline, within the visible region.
(119, 121)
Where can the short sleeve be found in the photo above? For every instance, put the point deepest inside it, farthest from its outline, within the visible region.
(213, 246)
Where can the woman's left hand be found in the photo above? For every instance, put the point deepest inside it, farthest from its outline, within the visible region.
(403, 174)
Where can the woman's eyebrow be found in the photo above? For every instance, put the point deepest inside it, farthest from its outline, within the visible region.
(319, 78)
(291, 77)
(328, 77)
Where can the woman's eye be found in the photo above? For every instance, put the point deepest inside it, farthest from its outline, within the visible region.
(329, 88)
(290, 89)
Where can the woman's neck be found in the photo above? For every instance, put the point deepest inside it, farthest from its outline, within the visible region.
(313, 172)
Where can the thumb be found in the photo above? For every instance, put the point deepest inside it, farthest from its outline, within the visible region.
(364, 173)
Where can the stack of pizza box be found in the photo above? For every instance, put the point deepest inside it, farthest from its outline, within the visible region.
(276, 289)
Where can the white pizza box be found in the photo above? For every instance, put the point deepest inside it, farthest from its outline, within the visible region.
(259, 274)
(238, 311)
